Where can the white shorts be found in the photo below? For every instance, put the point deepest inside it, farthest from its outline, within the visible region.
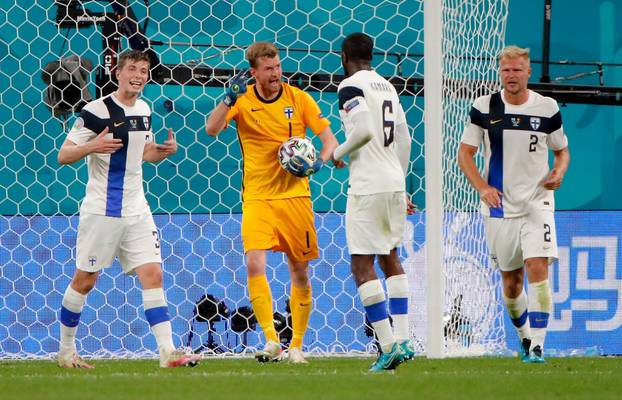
(513, 240)
(375, 222)
(135, 240)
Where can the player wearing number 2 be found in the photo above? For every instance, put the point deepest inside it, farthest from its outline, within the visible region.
(517, 128)
(276, 210)
(378, 144)
(114, 133)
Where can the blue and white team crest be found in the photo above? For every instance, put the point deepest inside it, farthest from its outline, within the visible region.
(534, 122)
(133, 123)
(289, 112)
(146, 122)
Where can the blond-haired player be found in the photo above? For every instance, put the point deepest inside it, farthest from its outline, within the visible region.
(517, 127)
(276, 211)
(114, 134)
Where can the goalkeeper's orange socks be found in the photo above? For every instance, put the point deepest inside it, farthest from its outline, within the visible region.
(261, 301)
(72, 305)
(300, 302)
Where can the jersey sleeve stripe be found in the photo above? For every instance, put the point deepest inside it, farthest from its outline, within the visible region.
(347, 93)
(477, 117)
(92, 121)
(554, 123)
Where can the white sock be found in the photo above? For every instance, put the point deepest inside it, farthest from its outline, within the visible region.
(72, 305)
(156, 312)
(540, 300)
(373, 298)
(517, 309)
(397, 289)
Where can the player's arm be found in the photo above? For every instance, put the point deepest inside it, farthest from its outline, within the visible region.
(70, 152)
(217, 120)
(157, 152)
(329, 144)
(360, 135)
(488, 194)
(560, 166)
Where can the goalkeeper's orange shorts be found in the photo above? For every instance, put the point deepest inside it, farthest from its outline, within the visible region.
(280, 225)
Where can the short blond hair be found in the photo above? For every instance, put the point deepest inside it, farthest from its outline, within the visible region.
(260, 49)
(514, 52)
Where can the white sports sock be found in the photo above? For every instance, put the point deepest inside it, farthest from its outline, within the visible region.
(540, 306)
(373, 298)
(397, 289)
(157, 316)
(517, 309)
(74, 303)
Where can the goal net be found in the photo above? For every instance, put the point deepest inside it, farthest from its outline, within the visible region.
(56, 55)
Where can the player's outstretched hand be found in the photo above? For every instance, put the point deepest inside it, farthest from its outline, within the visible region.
(105, 145)
(554, 180)
(301, 167)
(491, 196)
(169, 146)
(236, 87)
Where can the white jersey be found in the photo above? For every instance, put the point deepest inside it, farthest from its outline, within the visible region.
(375, 167)
(115, 185)
(516, 142)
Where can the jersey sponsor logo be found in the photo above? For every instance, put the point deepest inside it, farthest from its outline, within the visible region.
(350, 105)
(534, 122)
(146, 122)
(495, 121)
(118, 124)
(304, 253)
(515, 122)
(289, 112)
(256, 109)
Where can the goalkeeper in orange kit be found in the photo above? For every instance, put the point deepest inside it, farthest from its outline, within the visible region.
(276, 211)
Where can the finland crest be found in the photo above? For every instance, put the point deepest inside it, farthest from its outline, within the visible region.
(534, 122)
(134, 123)
(289, 112)
(146, 123)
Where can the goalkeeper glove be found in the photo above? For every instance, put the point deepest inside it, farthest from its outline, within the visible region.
(301, 167)
(237, 87)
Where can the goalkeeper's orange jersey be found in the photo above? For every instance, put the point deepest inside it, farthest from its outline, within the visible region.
(262, 126)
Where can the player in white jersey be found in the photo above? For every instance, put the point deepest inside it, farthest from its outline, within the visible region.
(378, 144)
(114, 134)
(517, 127)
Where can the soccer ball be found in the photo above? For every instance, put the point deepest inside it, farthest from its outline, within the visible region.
(295, 146)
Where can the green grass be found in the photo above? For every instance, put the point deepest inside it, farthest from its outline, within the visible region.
(322, 378)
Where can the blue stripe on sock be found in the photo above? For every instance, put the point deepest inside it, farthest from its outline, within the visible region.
(156, 315)
(538, 319)
(377, 312)
(69, 318)
(520, 321)
(398, 305)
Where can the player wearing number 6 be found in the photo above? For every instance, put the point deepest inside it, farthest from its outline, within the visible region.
(378, 144)
(517, 127)
(114, 133)
(276, 210)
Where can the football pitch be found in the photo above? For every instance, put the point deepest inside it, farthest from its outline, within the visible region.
(322, 378)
